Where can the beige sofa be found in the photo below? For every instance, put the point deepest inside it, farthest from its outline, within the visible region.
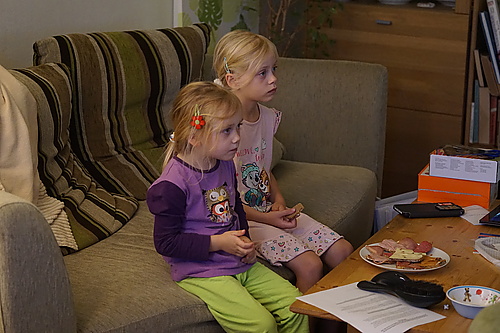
(101, 130)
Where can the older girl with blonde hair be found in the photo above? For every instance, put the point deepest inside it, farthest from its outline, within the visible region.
(246, 63)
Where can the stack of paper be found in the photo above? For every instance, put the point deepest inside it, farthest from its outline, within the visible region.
(370, 311)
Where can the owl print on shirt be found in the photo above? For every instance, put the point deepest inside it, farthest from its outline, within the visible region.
(217, 201)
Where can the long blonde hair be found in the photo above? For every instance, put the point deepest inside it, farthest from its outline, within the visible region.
(239, 52)
(214, 103)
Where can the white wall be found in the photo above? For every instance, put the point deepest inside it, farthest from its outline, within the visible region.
(22, 22)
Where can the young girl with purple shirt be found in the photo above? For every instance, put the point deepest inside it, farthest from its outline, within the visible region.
(200, 225)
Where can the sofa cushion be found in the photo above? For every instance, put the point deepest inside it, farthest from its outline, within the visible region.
(93, 212)
(123, 285)
(124, 83)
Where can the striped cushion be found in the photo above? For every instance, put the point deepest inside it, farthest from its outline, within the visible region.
(93, 212)
(124, 85)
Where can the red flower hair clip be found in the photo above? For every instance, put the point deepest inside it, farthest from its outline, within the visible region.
(197, 120)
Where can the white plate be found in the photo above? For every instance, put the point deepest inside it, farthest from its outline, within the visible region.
(435, 252)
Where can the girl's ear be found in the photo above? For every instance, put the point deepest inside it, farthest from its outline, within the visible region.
(193, 141)
(231, 81)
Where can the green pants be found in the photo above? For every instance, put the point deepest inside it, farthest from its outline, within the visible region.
(257, 300)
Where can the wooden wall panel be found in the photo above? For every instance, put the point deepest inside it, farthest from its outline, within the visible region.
(427, 54)
(410, 137)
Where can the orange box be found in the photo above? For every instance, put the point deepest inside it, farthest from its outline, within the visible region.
(462, 192)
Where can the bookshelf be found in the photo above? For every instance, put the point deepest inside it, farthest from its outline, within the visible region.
(490, 85)
(429, 57)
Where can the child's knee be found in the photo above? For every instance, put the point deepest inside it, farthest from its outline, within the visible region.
(346, 247)
(339, 251)
(314, 265)
(285, 322)
(311, 264)
(254, 320)
(295, 322)
(263, 322)
(341, 248)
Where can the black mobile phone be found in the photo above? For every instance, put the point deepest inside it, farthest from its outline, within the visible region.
(423, 210)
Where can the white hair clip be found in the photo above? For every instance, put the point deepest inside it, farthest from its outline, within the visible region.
(171, 137)
(218, 82)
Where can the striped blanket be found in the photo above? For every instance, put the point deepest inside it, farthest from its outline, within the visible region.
(18, 156)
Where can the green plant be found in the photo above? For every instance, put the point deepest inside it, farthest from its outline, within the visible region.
(294, 25)
(210, 11)
(225, 15)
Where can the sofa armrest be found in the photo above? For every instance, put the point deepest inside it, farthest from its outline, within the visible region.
(35, 293)
(334, 112)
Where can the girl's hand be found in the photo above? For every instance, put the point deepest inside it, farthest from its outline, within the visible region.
(278, 218)
(233, 242)
(278, 206)
(251, 257)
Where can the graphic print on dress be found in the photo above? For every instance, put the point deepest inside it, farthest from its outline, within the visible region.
(217, 201)
(257, 182)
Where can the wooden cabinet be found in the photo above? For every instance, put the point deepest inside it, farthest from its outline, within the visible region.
(427, 54)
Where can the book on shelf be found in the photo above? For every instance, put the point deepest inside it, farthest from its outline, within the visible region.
(479, 68)
(484, 116)
(497, 126)
(489, 75)
(495, 22)
(493, 119)
(474, 115)
(490, 42)
(484, 120)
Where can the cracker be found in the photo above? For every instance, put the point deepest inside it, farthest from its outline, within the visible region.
(298, 208)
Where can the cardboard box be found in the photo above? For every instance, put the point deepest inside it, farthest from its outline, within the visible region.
(464, 168)
(462, 192)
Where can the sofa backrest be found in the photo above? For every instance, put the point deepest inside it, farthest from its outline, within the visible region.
(123, 85)
(334, 112)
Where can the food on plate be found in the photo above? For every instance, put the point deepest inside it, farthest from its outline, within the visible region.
(427, 262)
(408, 243)
(405, 253)
(424, 247)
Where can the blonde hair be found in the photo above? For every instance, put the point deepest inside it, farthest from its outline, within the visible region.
(240, 52)
(215, 104)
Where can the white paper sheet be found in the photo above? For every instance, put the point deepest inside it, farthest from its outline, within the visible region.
(474, 213)
(370, 311)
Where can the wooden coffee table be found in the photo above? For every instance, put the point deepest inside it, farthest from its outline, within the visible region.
(453, 235)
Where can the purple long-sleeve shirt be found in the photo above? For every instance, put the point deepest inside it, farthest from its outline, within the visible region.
(191, 205)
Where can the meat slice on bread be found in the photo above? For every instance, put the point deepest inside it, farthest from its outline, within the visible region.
(390, 251)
